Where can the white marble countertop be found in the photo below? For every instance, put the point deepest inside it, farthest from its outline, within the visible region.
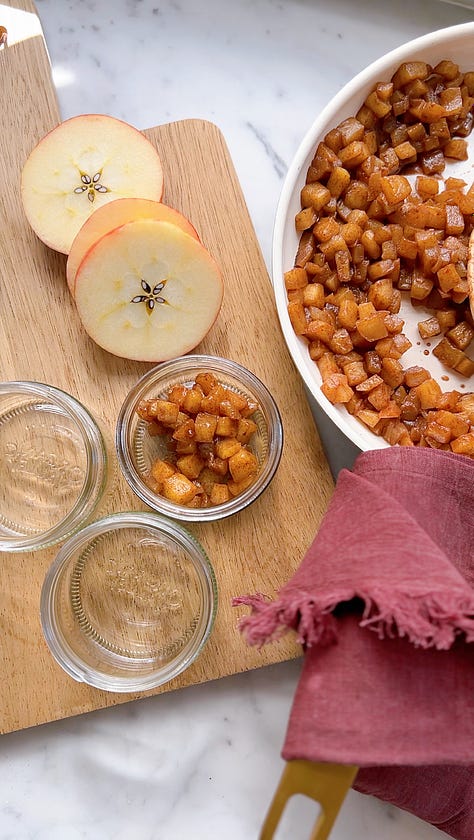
(203, 762)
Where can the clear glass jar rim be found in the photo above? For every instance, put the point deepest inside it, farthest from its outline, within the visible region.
(274, 427)
(96, 461)
(59, 646)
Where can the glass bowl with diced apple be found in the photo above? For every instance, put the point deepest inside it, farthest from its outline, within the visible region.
(199, 438)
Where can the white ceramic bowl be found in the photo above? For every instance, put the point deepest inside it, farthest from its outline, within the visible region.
(455, 43)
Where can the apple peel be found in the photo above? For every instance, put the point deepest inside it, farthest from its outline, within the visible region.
(148, 291)
(79, 166)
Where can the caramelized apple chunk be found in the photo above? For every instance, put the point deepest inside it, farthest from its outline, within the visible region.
(207, 431)
(385, 223)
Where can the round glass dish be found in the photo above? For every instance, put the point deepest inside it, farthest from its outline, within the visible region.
(53, 465)
(138, 450)
(129, 602)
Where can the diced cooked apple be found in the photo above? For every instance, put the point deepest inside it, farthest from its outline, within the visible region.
(185, 432)
(211, 402)
(192, 401)
(240, 402)
(368, 416)
(220, 493)
(82, 164)
(336, 388)
(190, 465)
(238, 487)
(164, 411)
(148, 291)
(464, 445)
(242, 465)
(379, 397)
(227, 447)
(205, 427)
(161, 470)
(428, 393)
(245, 429)
(217, 465)
(176, 394)
(369, 384)
(228, 409)
(204, 447)
(179, 489)
(207, 381)
(112, 215)
(227, 427)
(372, 328)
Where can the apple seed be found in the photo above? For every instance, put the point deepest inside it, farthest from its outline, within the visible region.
(91, 184)
(151, 297)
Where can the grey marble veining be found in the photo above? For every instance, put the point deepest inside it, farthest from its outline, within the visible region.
(202, 762)
(260, 69)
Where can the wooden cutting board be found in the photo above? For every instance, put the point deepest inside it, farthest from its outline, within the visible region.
(41, 339)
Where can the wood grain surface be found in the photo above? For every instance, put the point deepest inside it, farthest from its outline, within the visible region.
(41, 339)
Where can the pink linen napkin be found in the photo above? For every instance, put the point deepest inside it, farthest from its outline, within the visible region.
(383, 603)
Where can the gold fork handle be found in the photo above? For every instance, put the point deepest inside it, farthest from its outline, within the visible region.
(327, 784)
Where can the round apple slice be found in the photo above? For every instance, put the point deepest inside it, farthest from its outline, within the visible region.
(113, 215)
(80, 165)
(148, 291)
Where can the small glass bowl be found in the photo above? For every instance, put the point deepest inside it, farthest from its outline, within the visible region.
(137, 449)
(129, 602)
(53, 465)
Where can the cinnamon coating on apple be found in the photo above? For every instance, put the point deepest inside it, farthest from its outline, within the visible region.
(208, 429)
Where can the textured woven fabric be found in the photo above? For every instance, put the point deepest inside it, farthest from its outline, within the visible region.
(440, 795)
(367, 701)
(399, 535)
(383, 603)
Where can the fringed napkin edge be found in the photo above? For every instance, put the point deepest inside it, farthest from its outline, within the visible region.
(432, 619)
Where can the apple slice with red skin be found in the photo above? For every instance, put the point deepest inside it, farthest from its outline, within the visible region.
(113, 215)
(148, 291)
(82, 164)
